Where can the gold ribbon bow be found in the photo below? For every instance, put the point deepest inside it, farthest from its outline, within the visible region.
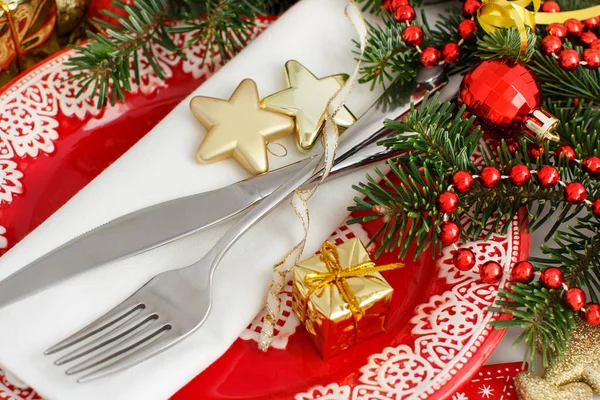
(338, 276)
(13, 32)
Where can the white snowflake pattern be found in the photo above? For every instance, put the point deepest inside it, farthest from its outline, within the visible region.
(460, 396)
(9, 181)
(486, 391)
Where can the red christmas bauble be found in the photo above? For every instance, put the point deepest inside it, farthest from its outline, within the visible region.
(575, 193)
(405, 14)
(451, 53)
(548, 176)
(470, 8)
(592, 58)
(430, 57)
(519, 174)
(587, 38)
(413, 35)
(596, 208)
(552, 278)
(551, 45)
(464, 259)
(535, 151)
(574, 27)
(574, 298)
(449, 232)
(467, 29)
(591, 314)
(392, 5)
(490, 176)
(592, 165)
(565, 151)
(557, 30)
(569, 59)
(523, 272)
(550, 6)
(490, 272)
(592, 23)
(462, 181)
(447, 202)
(595, 44)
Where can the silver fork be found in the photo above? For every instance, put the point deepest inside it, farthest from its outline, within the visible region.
(175, 303)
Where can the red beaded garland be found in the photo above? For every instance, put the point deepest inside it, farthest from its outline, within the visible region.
(550, 6)
(574, 298)
(596, 208)
(592, 165)
(595, 44)
(392, 5)
(552, 278)
(462, 181)
(467, 29)
(430, 57)
(451, 53)
(565, 151)
(413, 35)
(548, 176)
(574, 27)
(490, 176)
(449, 232)
(464, 259)
(447, 202)
(523, 272)
(592, 58)
(519, 174)
(551, 44)
(490, 272)
(535, 151)
(569, 59)
(557, 30)
(405, 13)
(470, 8)
(592, 23)
(575, 193)
(587, 38)
(591, 314)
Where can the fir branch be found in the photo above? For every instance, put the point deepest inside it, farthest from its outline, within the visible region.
(506, 44)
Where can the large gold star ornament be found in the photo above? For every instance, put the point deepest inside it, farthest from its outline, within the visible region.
(239, 128)
(306, 100)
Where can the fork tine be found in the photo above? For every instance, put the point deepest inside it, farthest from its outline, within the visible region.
(122, 313)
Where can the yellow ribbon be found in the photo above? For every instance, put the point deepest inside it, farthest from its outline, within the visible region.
(338, 276)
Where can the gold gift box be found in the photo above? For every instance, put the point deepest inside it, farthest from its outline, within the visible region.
(323, 302)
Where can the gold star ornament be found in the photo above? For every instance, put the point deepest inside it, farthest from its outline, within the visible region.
(239, 128)
(306, 100)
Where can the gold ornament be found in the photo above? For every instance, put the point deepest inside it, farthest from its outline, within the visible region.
(306, 99)
(70, 13)
(574, 376)
(239, 128)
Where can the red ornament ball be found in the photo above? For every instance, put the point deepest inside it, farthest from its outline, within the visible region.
(575, 193)
(405, 13)
(574, 27)
(591, 314)
(523, 272)
(595, 44)
(430, 57)
(447, 202)
(470, 8)
(451, 53)
(596, 208)
(392, 5)
(462, 181)
(413, 35)
(520, 174)
(574, 298)
(569, 59)
(449, 232)
(551, 45)
(592, 165)
(467, 29)
(587, 38)
(565, 151)
(557, 30)
(490, 272)
(592, 23)
(552, 278)
(490, 176)
(535, 151)
(548, 176)
(464, 259)
(550, 6)
(592, 58)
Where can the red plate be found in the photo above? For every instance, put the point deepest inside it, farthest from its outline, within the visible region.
(52, 145)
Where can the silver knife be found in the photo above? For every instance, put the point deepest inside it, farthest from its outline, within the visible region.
(162, 223)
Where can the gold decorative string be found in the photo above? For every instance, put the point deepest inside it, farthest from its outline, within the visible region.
(13, 33)
(300, 197)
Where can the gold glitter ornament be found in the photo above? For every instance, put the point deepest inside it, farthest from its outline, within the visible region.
(239, 128)
(574, 376)
(306, 100)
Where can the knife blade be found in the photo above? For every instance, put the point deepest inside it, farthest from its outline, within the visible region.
(162, 223)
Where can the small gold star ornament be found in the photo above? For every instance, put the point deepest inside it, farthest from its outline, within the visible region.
(239, 128)
(306, 100)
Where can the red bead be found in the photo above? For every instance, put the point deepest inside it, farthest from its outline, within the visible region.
(565, 151)
(587, 38)
(464, 259)
(535, 152)
(447, 202)
(520, 174)
(574, 27)
(430, 57)
(592, 23)
(412, 35)
(595, 44)
(592, 165)
(451, 53)
(550, 6)
(462, 181)
(574, 298)
(568, 59)
(591, 314)
(551, 45)
(392, 5)
(490, 176)
(592, 58)
(552, 278)
(449, 232)
(523, 272)
(467, 29)
(575, 193)
(405, 13)
(557, 30)
(490, 272)
(470, 8)
(548, 176)
(596, 208)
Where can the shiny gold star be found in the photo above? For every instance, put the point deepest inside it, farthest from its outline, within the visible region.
(239, 128)
(306, 99)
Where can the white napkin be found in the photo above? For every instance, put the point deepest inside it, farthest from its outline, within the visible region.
(161, 167)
